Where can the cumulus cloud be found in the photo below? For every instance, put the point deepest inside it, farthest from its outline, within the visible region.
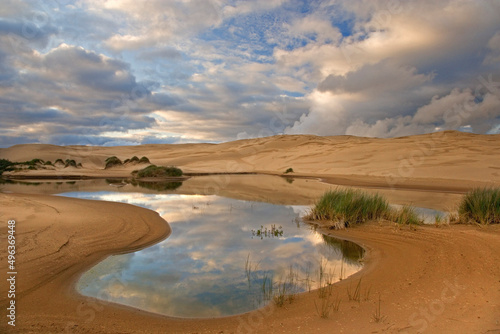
(400, 69)
(131, 71)
(460, 109)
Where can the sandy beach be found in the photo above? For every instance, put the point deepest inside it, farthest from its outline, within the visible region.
(433, 279)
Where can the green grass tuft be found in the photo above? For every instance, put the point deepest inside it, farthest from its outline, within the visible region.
(349, 207)
(406, 215)
(481, 206)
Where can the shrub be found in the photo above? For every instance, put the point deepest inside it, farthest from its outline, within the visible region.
(289, 170)
(133, 159)
(159, 171)
(144, 160)
(33, 162)
(69, 163)
(48, 163)
(112, 161)
(5, 165)
(481, 205)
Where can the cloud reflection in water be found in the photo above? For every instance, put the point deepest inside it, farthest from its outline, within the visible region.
(199, 271)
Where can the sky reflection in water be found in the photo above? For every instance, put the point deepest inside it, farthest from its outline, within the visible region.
(199, 271)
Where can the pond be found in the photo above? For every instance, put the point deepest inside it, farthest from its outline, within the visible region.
(224, 257)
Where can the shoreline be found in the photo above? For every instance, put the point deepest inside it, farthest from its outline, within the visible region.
(55, 305)
(363, 181)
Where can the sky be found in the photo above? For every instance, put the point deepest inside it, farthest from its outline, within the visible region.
(128, 72)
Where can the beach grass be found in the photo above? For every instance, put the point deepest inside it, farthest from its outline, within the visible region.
(481, 206)
(348, 207)
(406, 215)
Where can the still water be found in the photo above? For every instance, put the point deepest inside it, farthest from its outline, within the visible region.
(224, 257)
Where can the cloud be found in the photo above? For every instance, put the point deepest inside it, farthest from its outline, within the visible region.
(219, 70)
(460, 109)
(399, 68)
(374, 79)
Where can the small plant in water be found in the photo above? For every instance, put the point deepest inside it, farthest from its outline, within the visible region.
(287, 288)
(264, 232)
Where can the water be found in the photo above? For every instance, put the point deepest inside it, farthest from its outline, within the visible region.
(219, 260)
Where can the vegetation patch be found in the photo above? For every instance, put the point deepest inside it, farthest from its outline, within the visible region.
(5, 166)
(70, 163)
(406, 215)
(481, 206)
(159, 171)
(144, 160)
(112, 162)
(350, 207)
(289, 170)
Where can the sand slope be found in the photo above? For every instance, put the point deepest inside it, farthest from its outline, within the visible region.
(446, 156)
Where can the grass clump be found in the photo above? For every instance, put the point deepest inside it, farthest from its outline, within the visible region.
(377, 315)
(112, 161)
(289, 170)
(481, 206)
(406, 215)
(350, 207)
(159, 171)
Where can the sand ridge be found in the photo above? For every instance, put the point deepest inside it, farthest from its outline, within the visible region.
(449, 156)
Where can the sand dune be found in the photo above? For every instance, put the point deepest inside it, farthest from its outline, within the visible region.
(449, 156)
(433, 280)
